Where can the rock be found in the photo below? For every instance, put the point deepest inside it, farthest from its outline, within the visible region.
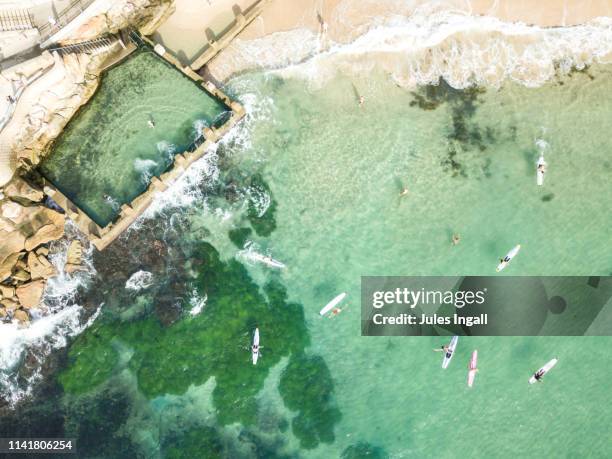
(38, 269)
(12, 211)
(46, 233)
(30, 294)
(20, 189)
(74, 257)
(21, 275)
(3, 313)
(22, 265)
(44, 261)
(6, 267)
(42, 251)
(7, 291)
(21, 316)
(10, 243)
(6, 225)
(9, 305)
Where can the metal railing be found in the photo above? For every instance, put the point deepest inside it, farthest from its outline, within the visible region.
(89, 46)
(63, 18)
(15, 20)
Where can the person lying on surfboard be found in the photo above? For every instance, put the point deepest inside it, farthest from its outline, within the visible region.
(443, 348)
(539, 375)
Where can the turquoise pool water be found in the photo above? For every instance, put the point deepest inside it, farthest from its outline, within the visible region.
(144, 112)
(314, 180)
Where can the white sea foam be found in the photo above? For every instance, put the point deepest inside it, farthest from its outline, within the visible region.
(427, 45)
(198, 128)
(144, 165)
(140, 280)
(197, 302)
(57, 319)
(166, 149)
(260, 200)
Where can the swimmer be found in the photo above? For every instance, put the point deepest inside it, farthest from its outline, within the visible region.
(361, 100)
(151, 123)
(455, 239)
(404, 192)
(443, 348)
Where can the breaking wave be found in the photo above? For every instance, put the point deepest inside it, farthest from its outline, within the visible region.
(24, 349)
(139, 280)
(465, 50)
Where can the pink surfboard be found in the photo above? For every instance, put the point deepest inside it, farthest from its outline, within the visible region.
(472, 368)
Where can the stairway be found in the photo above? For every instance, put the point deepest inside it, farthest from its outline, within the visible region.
(15, 20)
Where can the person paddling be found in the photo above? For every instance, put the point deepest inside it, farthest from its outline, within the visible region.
(443, 348)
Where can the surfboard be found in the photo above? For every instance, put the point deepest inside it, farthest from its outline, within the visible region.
(333, 303)
(255, 343)
(545, 369)
(508, 258)
(448, 356)
(472, 368)
(540, 173)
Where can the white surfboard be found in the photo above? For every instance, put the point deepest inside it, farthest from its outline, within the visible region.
(545, 369)
(472, 369)
(508, 258)
(332, 304)
(448, 355)
(255, 347)
(540, 171)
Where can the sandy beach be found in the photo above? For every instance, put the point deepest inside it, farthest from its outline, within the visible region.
(435, 38)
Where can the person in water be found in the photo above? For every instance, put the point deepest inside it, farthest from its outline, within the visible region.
(444, 348)
(361, 100)
(404, 191)
(151, 123)
(455, 239)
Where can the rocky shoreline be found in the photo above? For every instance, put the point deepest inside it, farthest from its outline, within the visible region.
(52, 88)
(27, 225)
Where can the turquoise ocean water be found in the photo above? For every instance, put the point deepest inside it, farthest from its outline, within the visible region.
(314, 180)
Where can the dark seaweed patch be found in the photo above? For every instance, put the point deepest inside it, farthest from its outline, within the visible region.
(465, 134)
(307, 387)
(451, 164)
(96, 422)
(239, 236)
(204, 442)
(167, 360)
(264, 224)
(363, 450)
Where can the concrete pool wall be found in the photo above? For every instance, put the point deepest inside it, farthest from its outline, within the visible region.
(101, 237)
